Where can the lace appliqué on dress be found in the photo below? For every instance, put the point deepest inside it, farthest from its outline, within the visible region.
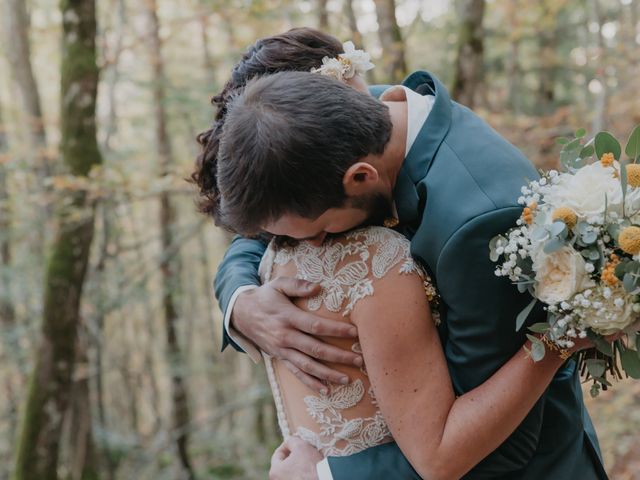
(357, 434)
(346, 272)
(352, 281)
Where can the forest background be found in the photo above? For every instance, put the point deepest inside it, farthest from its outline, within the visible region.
(109, 331)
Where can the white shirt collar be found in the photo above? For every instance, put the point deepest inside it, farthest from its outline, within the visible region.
(418, 109)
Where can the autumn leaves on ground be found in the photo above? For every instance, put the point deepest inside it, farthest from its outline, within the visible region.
(109, 332)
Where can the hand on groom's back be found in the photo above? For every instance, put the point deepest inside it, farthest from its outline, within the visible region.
(268, 318)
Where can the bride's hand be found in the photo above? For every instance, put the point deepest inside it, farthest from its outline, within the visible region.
(295, 458)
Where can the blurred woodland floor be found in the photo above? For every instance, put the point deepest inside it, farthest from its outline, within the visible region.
(616, 417)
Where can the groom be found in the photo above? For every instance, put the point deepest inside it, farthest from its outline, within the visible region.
(304, 156)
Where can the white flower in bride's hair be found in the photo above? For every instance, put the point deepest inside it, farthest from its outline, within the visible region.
(331, 67)
(356, 61)
(560, 275)
(347, 64)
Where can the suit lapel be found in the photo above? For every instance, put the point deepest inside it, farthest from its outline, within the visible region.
(408, 199)
(433, 130)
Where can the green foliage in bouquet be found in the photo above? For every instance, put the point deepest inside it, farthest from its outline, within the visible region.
(576, 249)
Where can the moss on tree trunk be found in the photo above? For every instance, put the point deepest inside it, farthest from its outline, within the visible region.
(51, 381)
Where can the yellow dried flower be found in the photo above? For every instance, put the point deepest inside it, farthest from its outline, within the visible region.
(566, 215)
(607, 159)
(608, 275)
(633, 175)
(528, 211)
(629, 240)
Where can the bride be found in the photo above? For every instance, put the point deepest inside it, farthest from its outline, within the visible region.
(403, 391)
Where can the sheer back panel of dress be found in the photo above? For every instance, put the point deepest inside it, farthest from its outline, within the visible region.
(347, 419)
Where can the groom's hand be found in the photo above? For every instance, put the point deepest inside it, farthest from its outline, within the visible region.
(267, 317)
(295, 458)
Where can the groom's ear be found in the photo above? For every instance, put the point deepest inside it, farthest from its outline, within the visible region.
(359, 179)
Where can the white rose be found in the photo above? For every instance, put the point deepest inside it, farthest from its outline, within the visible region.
(560, 275)
(614, 312)
(584, 192)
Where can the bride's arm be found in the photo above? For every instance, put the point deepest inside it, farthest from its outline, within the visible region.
(443, 437)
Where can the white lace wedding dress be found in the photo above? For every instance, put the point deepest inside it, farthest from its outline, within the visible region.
(347, 419)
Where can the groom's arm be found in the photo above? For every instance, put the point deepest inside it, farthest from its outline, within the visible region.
(267, 319)
(237, 272)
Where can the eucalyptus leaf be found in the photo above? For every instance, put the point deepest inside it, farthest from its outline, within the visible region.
(620, 270)
(583, 227)
(633, 145)
(540, 327)
(562, 140)
(589, 237)
(537, 352)
(629, 282)
(538, 233)
(581, 132)
(557, 228)
(594, 254)
(630, 362)
(601, 344)
(596, 367)
(587, 151)
(567, 158)
(522, 316)
(604, 142)
(553, 245)
(573, 145)
(614, 231)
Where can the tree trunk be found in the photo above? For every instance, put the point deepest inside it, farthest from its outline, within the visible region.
(82, 459)
(468, 69)
(15, 21)
(7, 313)
(599, 121)
(513, 63)
(323, 15)
(49, 391)
(112, 75)
(16, 30)
(394, 64)
(356, 36)
(548, 44)
(170, 266)
(207, 61)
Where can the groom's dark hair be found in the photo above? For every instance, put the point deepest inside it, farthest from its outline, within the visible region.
(286, 144)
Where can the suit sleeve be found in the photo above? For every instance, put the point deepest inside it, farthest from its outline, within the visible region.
(377, 463)
(479, 331)
(239, 268)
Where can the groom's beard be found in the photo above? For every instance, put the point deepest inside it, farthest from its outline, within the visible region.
(378, 207)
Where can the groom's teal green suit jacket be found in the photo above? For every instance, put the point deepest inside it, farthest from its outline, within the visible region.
(458, 187)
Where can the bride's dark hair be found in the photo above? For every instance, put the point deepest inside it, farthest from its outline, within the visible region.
(299, 49)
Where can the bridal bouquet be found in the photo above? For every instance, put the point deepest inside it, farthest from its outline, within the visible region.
(576, 249)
